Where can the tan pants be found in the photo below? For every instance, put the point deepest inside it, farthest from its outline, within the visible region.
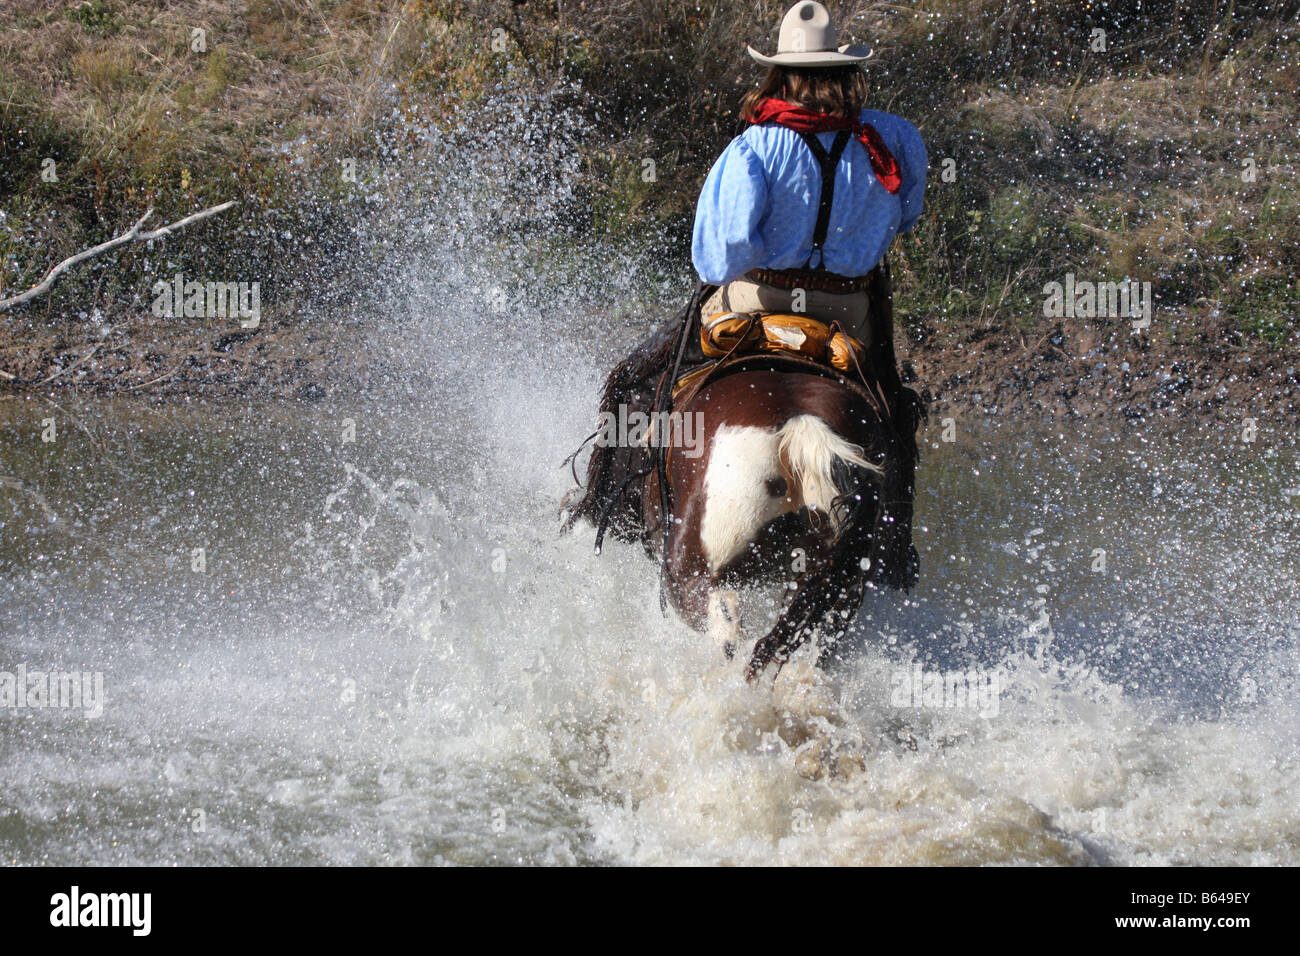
(745, 295)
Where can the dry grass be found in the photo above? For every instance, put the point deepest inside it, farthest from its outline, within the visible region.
(278, 69)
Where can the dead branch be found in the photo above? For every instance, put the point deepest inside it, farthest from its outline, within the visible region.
(131, 235)
(61, 371)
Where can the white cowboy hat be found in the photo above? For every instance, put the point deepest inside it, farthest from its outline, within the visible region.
(808, 39)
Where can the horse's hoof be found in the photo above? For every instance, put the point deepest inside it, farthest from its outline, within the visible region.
(817, 758)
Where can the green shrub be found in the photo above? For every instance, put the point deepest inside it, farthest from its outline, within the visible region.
(97, 16)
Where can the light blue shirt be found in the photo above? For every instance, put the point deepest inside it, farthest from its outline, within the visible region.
(758, 207)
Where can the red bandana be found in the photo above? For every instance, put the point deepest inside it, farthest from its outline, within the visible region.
(806, 121)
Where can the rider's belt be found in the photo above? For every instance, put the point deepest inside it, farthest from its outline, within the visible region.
(810, 279)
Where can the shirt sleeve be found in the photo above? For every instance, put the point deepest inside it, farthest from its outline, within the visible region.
(914, 162)
(726, 243)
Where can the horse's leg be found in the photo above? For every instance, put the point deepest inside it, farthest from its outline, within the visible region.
(694, 584)
(686, 572)
(724, 619)
(826, 466)
(697, 593)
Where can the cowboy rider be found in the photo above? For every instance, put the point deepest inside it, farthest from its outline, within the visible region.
(759, 230)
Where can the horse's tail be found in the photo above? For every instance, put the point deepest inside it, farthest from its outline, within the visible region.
(821, 463)
(834, 477)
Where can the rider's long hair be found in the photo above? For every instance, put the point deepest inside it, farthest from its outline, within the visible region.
(837, 90)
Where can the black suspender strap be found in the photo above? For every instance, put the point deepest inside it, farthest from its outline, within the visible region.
(828, 162)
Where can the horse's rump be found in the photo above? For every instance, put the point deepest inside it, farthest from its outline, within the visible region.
(831, 459)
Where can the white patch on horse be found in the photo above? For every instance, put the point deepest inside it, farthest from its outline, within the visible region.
(737, 502)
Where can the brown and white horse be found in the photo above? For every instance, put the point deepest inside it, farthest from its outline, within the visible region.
(795, 483)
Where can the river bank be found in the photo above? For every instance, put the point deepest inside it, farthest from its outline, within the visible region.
(1075, 369)
(1163, 155)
